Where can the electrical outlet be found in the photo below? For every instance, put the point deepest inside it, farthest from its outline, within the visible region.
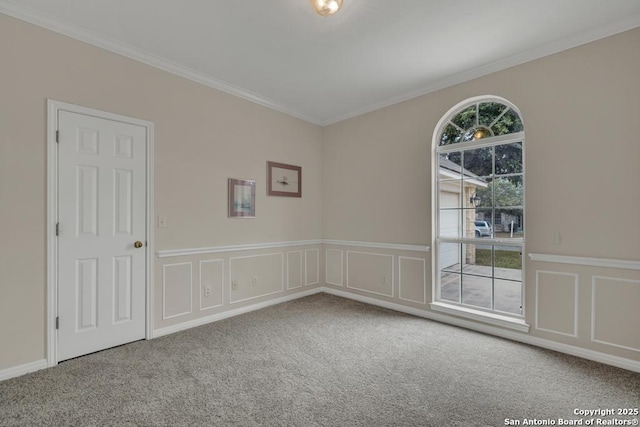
(385, 280)
(557, 238)
(207, 291)
(255, 281)
(234, 285)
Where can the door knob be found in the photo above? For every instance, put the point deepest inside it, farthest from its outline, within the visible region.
(138, 244)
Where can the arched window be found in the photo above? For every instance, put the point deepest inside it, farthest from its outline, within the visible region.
(479, 208)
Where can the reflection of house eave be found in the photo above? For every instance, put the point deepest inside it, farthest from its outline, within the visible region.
(449, 169)
(478, 182)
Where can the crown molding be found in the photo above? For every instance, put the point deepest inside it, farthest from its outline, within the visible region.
(557, 46)
(20, 12)
(83, 35)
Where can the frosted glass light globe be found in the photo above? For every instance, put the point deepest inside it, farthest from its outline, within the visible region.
(326, 7)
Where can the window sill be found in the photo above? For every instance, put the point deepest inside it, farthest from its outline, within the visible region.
(482, 316)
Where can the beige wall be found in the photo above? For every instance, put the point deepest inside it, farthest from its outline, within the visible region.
(580, 109)
(364, 179)
(202, 137)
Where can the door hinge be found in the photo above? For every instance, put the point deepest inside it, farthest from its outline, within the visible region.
(57, 136)
(57, 322)
(57, 228)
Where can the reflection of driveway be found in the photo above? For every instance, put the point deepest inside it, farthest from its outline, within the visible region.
(477, 287)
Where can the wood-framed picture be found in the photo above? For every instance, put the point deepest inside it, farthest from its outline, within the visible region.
(242, 198)
(284, 180)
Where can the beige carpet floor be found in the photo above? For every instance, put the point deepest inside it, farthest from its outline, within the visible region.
(317, 361)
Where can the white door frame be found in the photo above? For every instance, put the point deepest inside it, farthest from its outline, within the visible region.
(53, 107)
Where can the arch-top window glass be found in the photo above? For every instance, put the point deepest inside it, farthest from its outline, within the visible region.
(479, 215)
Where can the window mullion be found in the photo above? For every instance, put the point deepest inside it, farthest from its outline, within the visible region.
(474, 264)
(499, 117)
(493, 277)
(484, 142)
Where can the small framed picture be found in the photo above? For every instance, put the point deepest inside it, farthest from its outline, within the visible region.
(242, 198)
(284, 180)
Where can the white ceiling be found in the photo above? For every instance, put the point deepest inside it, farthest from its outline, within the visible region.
(371, 54)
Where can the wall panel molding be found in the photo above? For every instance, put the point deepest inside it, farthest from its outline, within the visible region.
(274, 291)
(618, 311)
(201, 287)
(326, 267)
(164, 289)
(424, 279)
(316, 261)
(231, 313)
(574, 333)
(390, 275)
(591, 262)
(300, 266)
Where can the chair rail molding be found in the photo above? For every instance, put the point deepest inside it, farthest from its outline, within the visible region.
(271, 245)
(391, 246)
(234, 248)
(588, 261)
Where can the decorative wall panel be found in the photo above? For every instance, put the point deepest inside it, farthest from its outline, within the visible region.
(557, 302)
(312, 266)
(412, 279)
(295, 268)
(334, 267)
(177, 294)
(255, 276)
(615, 314)
(211, 273)
(370, 272)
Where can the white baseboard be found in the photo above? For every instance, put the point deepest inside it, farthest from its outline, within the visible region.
(584, 353)
(596, 356)
(231, 313)
(17, 371)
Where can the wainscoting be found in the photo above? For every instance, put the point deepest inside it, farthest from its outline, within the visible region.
(590, 302)
(204, 283)
(580, 306)
(389, 272)
(576, 305)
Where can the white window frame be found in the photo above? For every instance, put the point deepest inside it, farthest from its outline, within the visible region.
(480, 314)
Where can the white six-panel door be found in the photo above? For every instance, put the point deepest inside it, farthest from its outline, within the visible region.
(101, 214)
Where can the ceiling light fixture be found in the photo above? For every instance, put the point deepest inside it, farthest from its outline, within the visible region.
(326, 7)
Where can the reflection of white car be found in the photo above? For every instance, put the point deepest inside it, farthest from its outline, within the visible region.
(483, 229)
